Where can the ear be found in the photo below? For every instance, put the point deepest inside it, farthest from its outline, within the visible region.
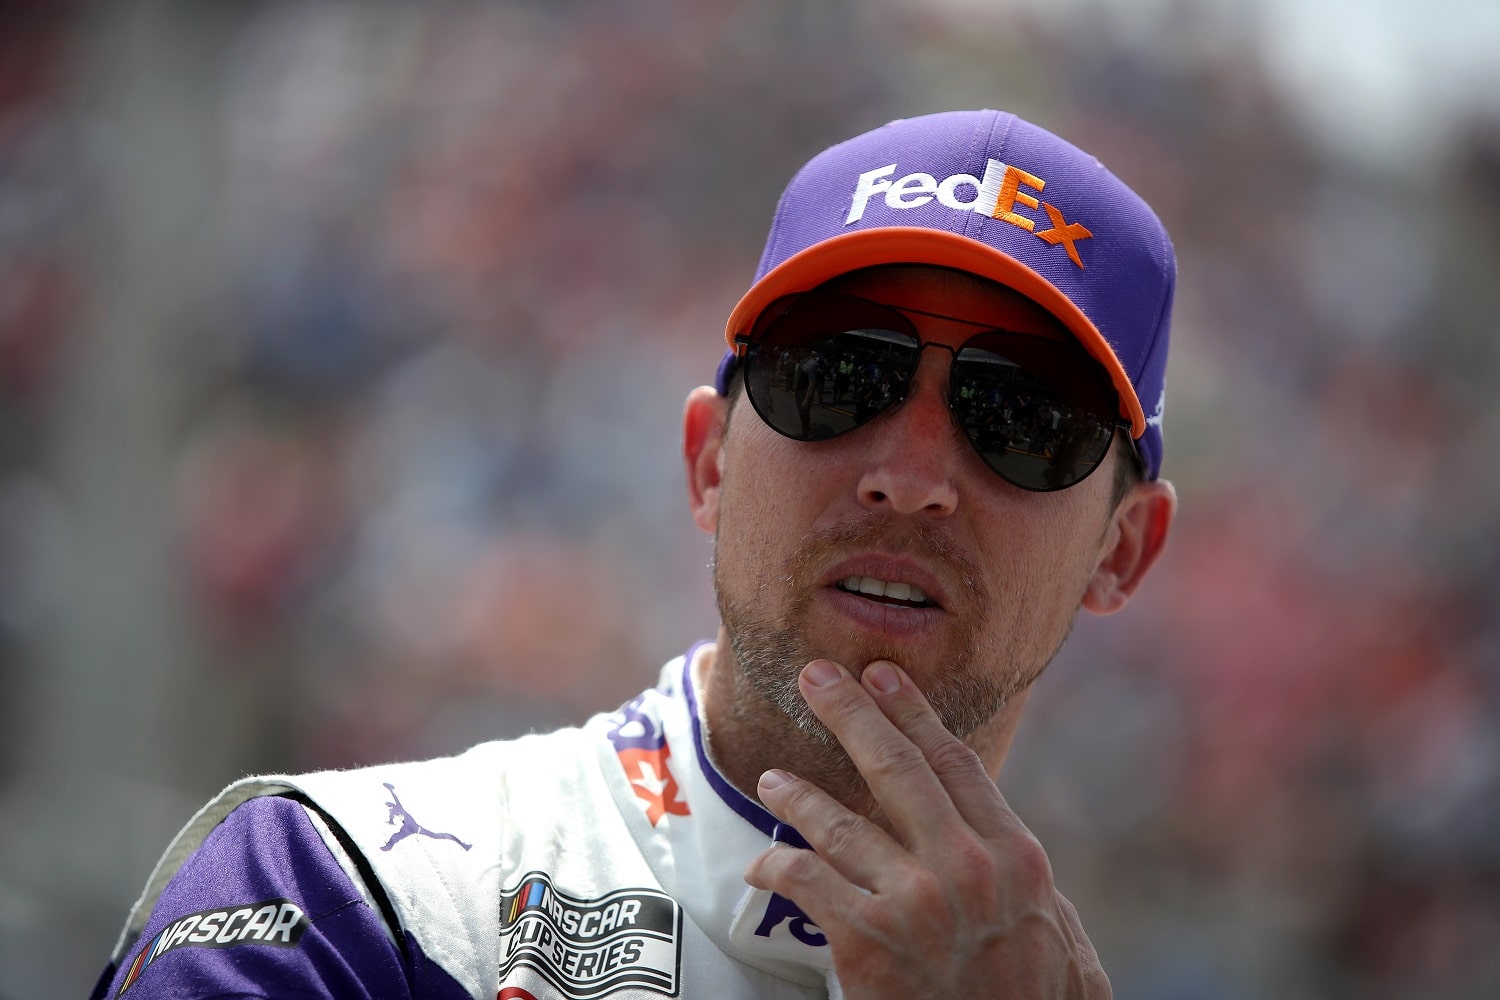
(1136, 536)
(703, 420)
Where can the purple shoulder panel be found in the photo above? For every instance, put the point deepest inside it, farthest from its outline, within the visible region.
(262, 908)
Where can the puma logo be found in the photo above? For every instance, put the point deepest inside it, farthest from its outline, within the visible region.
(409, 826)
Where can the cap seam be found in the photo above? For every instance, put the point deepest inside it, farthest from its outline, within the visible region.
(973, 227)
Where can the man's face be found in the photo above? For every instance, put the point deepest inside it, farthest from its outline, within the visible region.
(806, 530)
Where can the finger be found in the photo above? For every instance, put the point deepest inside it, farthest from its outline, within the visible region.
(1096, 983)
(899, 776)
(855, 847)
(809, 881)
(957, 767)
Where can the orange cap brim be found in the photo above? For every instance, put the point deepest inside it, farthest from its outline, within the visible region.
(915, 245)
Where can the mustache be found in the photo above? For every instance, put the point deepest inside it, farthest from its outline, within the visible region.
(926, 542)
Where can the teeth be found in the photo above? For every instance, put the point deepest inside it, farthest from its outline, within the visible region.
(884, 588)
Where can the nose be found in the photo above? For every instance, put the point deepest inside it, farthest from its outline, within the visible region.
(914, 455)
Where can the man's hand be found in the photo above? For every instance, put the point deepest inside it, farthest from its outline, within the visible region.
(960, 902)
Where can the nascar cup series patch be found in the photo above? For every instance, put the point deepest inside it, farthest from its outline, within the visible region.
(278, 922)
(589, 947)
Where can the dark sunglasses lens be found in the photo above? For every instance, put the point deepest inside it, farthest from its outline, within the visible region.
(825, 367)
(1033, 409)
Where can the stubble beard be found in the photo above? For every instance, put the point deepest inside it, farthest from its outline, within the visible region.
(771, 649)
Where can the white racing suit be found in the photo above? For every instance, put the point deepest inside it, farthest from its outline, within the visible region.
(601, 861)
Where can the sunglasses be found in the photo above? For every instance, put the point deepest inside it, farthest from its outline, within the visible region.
(1040, 412)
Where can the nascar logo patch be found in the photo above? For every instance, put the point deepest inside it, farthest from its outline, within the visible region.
(589, 947)
(278, 922)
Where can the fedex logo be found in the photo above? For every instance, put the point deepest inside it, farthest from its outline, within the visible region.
(996, 194)
(642, 747)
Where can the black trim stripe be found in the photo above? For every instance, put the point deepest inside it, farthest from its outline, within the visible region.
(366, 871)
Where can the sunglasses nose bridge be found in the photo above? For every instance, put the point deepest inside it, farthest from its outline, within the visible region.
(934, 377)
(912, 380)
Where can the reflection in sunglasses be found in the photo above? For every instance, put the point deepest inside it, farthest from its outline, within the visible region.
(1038, 411)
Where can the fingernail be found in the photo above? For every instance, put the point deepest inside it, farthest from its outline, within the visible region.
(773, 779)
(881, 676)
(821, 673)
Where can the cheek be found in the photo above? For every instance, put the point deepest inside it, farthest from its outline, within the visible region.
(775, 476)
(1043, 564)
(768, 500)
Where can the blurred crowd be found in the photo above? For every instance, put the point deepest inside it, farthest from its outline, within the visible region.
(342, 350)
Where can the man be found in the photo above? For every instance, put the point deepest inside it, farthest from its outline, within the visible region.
(807, 805)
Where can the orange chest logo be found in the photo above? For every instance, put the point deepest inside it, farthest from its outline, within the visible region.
(651, 779)
(642, 747)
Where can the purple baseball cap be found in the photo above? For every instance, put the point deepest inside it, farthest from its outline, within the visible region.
(991, 194)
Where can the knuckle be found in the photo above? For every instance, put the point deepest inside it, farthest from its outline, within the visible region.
(976, 861)
(1030, 868)
(952, 756)
(911, 710)
(928, 892)
(842, 836)
(797, 865)
(895, 759)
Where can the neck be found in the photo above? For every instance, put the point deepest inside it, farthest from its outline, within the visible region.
(746, 735)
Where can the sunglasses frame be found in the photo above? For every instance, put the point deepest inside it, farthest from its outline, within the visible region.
(746, 347)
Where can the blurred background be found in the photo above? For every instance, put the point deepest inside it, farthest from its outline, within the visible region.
(342, 351)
